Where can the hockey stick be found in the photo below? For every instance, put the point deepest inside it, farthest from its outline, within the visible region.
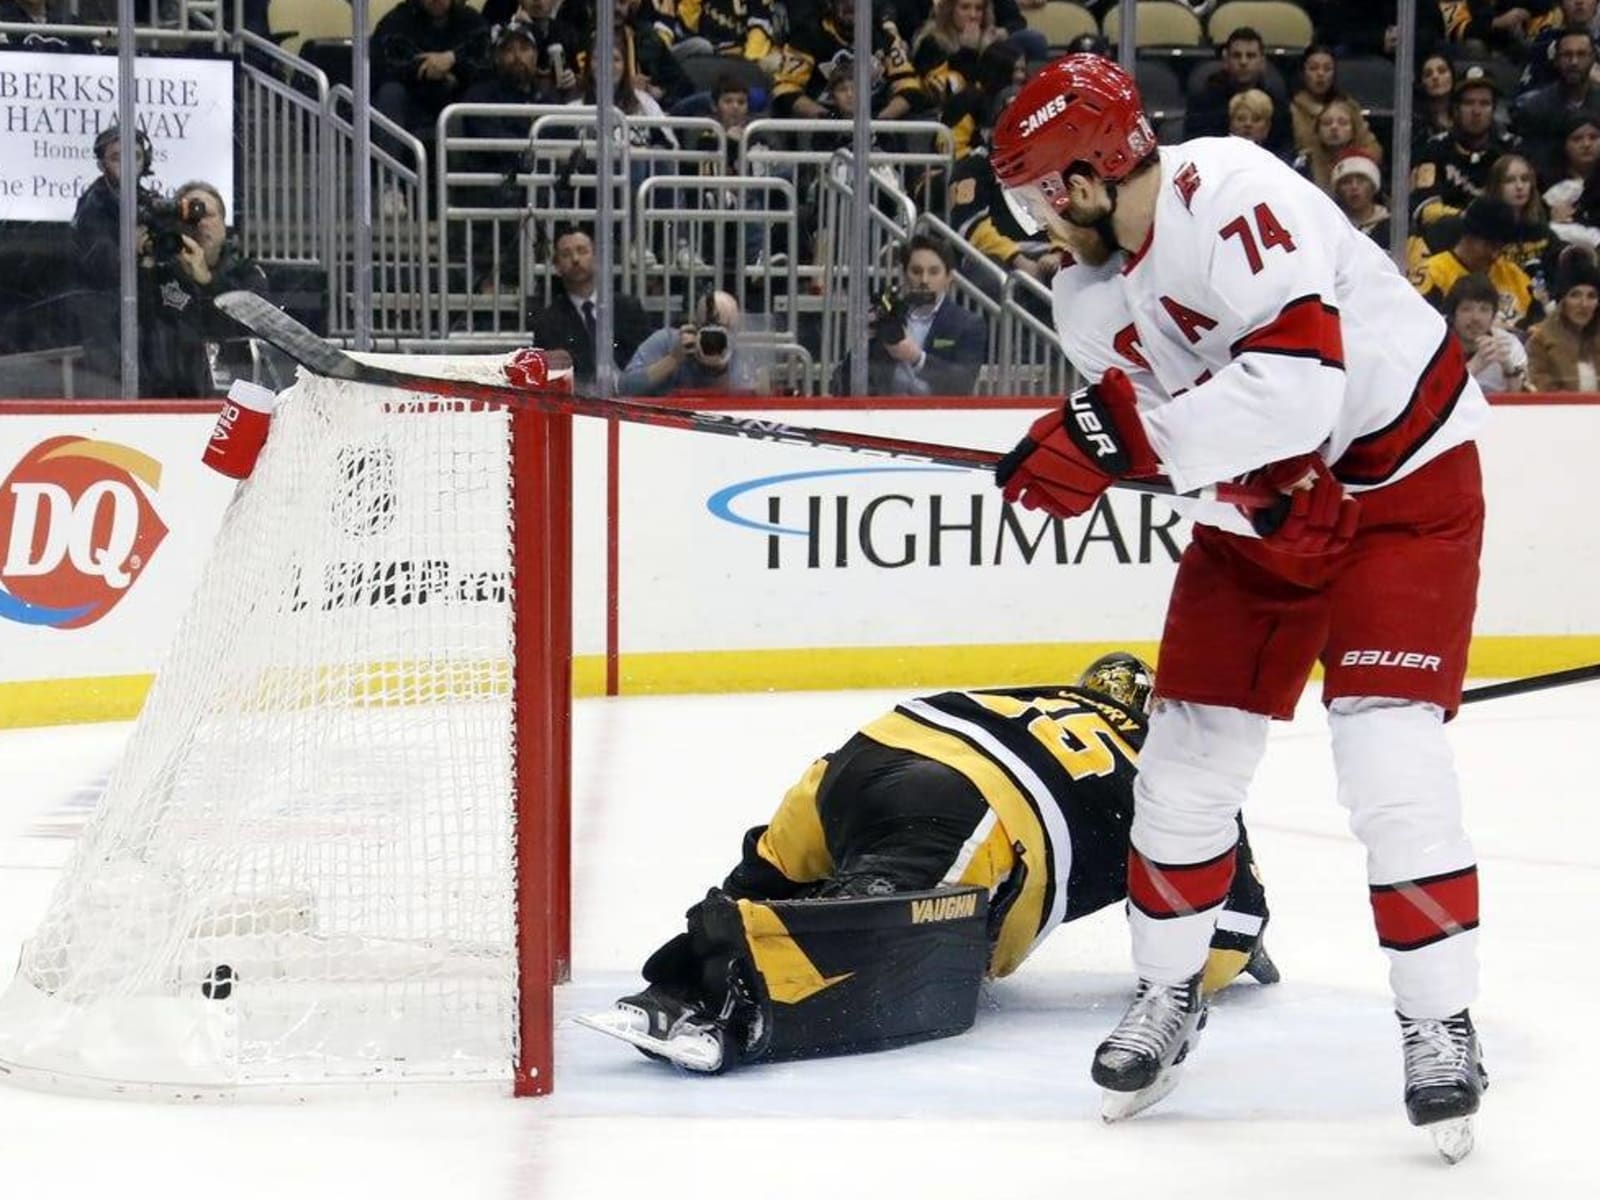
(1533, 683)
(283, 332)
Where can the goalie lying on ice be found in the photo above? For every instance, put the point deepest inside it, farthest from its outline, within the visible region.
(941, 843)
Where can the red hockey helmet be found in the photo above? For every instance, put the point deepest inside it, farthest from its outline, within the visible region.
(1078, 109)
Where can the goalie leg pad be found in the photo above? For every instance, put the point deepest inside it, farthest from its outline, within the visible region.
(841, 976)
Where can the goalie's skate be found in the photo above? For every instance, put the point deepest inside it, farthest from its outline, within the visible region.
(1137, 1065)
(1444, 1080)
(662, 1026)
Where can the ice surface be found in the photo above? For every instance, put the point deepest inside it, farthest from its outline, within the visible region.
(1294, 1090)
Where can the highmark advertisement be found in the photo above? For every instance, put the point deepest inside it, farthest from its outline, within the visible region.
(53, 106)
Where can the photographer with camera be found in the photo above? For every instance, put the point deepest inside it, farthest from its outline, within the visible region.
(185, 259)
(697, 356)
(923, 344)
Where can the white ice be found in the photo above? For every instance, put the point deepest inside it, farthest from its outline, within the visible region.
(1294, 1091)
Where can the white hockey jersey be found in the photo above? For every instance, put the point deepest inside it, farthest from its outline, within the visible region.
(1257, 323)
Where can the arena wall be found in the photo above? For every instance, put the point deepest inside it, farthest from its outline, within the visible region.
(715, 564)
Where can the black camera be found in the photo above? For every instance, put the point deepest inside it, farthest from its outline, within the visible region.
(169, 221)
(711, 341)
(888, 316)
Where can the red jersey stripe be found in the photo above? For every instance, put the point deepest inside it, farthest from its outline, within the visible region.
(1374, 457)
(1303, 328)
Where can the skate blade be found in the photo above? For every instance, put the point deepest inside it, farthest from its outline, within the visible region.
(1452, 1139)
(1119, 1106)
(696, 1051)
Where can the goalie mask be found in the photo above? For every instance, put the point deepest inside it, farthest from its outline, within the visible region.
(1126, 678)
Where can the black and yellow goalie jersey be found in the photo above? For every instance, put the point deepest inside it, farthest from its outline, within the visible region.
(1053, 765)
(813, 54)
(1056, 766)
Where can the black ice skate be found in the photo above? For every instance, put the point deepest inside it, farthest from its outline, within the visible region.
(667, 1027)
(1137, 1065)
(1444, 1079)
(1261, 968)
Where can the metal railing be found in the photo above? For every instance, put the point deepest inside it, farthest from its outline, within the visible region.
(401, 255)
(285, 188)
(718, 231)
(890, 217)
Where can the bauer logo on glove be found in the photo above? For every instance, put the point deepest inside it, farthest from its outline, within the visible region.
(1064, 466)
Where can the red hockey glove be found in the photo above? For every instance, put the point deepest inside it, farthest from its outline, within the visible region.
(1314, 516)
(1072, 455)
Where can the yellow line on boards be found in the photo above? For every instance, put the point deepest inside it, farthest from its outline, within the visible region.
(119, 697)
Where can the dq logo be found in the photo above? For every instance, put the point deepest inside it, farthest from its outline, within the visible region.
(76, 530)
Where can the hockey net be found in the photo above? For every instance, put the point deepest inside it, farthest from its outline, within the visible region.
(328, 854)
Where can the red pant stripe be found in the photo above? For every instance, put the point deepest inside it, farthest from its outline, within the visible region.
(1163, 890)
(1419, 912)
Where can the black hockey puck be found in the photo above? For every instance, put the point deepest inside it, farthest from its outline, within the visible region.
(219, 984)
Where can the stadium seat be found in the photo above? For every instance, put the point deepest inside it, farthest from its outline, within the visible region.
(1160, 23)
(1163, 97)
(1369, 82)
(1061, 22)
(295, 21)
(1279, 23)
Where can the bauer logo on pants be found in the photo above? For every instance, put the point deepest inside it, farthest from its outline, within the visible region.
(77, 528)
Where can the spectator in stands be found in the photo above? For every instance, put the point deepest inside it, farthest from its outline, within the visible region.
(978, 210)
(1575, 162)
(815, 53)
(1355, 185)
(1539, 116)
(1335, 133)
(635, 101)
(1250, 116)
(1319, 84)
(735, 28)
(1454, 167)
(569, 321)
(181, 271)
(946, 48)
(646, 36)
(1564, 348)
(971, 112)
(1495, 358)
(923, 343)
(1433, 105)
(515, 80)
(1497, 24)
(700, 355)
(1244, 66)
(559, 43)
(1541, 68)
(1512, 179)
(1488, 226)
(425, 54)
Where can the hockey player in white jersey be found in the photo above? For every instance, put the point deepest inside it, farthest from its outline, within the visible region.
(1237, 326)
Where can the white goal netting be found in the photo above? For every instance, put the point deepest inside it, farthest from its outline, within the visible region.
(301, 871)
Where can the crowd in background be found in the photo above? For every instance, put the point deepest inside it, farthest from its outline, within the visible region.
(1504, 146)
